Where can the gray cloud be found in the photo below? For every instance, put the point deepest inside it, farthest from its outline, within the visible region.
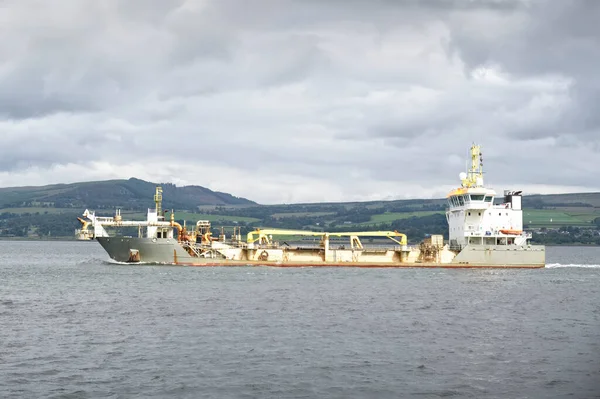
(547, 38)
(289, 100)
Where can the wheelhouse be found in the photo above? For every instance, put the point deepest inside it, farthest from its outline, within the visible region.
(455, 201)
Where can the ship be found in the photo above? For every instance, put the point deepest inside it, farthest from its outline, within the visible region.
(484, 232)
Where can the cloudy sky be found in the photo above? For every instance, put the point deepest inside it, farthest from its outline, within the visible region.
(288, 101)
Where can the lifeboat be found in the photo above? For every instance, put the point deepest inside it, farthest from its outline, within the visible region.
(511, 232)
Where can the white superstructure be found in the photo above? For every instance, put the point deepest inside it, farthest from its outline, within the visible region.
(473, 219)
(155, 225)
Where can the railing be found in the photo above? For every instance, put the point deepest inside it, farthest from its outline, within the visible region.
(104, 220)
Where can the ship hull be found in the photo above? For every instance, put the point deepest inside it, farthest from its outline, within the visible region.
(171, 252)
(151, 250)
(506, 255)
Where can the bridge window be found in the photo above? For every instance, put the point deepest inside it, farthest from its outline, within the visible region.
(477, 197)
(488, 198)
(461, 202)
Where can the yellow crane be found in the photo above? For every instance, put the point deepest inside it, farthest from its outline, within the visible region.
(84, 224)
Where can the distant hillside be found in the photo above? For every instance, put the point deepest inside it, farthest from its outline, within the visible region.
(591, 200)
(132, 194)
(51, 211)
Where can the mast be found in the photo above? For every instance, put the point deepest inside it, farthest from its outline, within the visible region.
(158, 200)
(474, 175)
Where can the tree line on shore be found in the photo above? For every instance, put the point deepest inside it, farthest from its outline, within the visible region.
(48, 225)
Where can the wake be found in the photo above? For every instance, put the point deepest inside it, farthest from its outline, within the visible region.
(557, 265)
(115, 262)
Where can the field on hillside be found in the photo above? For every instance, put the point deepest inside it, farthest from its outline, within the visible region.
(554, 218)
(393, 216)
(194, 217)
(33, 210)
(301, 214)
(532, 218)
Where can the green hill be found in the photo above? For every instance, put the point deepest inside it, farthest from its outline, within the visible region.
(132, 194)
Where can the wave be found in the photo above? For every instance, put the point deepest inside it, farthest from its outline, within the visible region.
(556, 265)
(115, 262)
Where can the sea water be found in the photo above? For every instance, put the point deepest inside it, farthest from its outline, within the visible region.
(74, 325)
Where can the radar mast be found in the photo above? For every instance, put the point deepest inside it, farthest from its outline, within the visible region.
(158, 200)
(474, 175)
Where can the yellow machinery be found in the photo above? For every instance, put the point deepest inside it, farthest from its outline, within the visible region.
(264, 236)
(84, 233)
(84, 224)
